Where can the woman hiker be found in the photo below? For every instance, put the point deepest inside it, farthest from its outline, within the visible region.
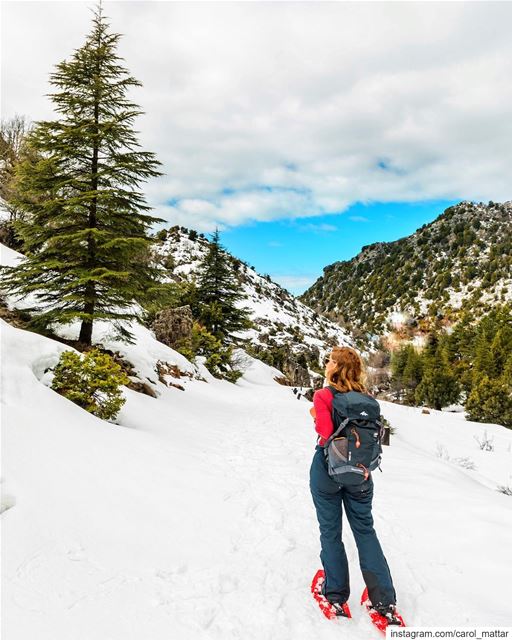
(344, 372)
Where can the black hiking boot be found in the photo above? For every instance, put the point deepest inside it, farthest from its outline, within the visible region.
(340, 609)
(389, 613)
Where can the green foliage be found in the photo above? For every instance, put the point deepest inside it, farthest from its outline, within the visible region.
(273, 355)
(473, 363)
(438, 387)
(93, 382)
(218, 292)
(219, 358)
(407, 371)
(85, 226)
(491, 401)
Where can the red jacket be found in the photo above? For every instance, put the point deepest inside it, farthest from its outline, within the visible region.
(322, 412)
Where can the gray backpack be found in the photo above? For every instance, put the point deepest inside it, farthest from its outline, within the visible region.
(354, 449)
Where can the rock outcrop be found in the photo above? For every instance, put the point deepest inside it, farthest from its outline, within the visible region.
(172, 326)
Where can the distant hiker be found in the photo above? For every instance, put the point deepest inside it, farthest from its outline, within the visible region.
(352, 490)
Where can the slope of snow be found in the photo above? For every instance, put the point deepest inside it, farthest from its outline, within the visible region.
(143, 354)
(192, 518)
(276, 312)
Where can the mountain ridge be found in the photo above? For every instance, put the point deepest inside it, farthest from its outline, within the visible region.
(461, 260)
(287, 334)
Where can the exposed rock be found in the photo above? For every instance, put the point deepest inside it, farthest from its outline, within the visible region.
(378, 380)
(136, 384)
(142, 387)
(172, 326)
(166, 369)
(296, 373)
(308, 394)
(13, 316)
(318, 381)
(295, 366)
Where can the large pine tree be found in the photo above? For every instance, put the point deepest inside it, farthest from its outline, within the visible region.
(86, 230)
(218, 292)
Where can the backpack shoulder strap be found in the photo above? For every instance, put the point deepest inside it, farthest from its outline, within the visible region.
(336, 433)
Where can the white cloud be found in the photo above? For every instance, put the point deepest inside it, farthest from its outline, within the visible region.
(297, 109)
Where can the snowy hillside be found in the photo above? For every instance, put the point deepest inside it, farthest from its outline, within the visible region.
(279, 316)
(192, 518)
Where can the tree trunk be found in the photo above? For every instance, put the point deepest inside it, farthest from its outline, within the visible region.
(90, 289)
(85, 336)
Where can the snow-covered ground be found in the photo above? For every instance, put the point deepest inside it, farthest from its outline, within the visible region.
(192, 518)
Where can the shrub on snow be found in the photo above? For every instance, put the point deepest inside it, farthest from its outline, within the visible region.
(92, 381)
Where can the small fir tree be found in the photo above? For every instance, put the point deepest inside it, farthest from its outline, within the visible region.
(93, 382)
(86, 226)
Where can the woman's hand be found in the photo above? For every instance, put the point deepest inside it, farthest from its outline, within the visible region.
(312, 413)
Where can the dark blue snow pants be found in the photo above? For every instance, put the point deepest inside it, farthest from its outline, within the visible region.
(329, 498)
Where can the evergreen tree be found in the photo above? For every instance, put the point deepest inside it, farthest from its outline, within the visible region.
(93, 382)
(501, 348)
(507, 371)
(218, 292)
(458, 346)
(491, 401)
(483, 363)
(412, 374)
(406, 370)
(439, 386)
(85, 234)
(399, 361)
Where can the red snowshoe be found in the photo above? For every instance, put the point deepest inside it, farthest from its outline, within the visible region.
(331, 610)
(384, 619)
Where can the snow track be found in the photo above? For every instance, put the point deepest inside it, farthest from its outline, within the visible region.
(192, 519)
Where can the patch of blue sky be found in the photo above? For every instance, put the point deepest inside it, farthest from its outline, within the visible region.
(264, 188)
(386, 165)
(295, 251)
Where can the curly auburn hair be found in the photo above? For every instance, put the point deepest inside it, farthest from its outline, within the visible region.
(349, 372)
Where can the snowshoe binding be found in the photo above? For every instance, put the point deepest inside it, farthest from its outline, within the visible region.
(382, 616)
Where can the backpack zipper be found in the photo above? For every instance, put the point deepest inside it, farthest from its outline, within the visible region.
(358, 442)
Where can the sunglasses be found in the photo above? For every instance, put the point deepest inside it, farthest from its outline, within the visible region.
(327, 359)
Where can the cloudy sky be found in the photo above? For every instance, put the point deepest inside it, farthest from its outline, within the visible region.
(304, 130)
